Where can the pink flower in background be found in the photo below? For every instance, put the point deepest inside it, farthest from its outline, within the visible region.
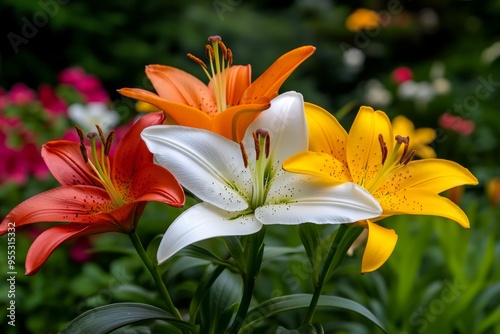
(457, 124)
(50, 101)
(401, 74)
(21, 94)
(4, 99)
(88, 85)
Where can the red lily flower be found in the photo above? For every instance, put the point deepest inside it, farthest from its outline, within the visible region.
(99, 192)
(230, 102)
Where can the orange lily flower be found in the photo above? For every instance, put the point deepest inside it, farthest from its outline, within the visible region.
(230, 102)
(99, 192)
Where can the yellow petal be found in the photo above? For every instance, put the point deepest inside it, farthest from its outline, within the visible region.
(402, 126)
(425, 152)
(271, 80)
(420, 202)
(181, 87)
(319, 164)
(379, 246)
(433, 175)
(364, 152)
(325, 132)
(423, 136)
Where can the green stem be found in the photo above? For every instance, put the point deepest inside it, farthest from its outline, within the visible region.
(153, 269)
(254, 250)
(344, 238)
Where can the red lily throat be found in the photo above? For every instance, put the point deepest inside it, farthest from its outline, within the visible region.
(262, 141)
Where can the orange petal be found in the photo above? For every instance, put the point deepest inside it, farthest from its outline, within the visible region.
(179, 113)
(239, 78)
(233, 122)
(269, 83)
(178, 86)
(363, 150)
(379, 247)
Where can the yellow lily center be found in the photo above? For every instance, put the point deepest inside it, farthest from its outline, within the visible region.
(261, 170)
(220, 59)
(390, 164)
(100, 161)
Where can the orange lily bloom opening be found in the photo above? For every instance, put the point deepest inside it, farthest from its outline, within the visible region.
(373, 157)
(230, 102)
(98, 193)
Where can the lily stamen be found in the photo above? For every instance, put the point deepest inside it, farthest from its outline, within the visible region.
(220, 58)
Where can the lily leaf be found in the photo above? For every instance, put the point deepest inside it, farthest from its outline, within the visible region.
(298, 301)
(110, 317)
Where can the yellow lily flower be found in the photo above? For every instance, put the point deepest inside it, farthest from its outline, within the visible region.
(374, 158)
(362, 18)
(420, 138)
(230, 102)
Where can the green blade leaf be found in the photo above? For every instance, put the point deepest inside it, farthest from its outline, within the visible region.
(110, 317)
(298, 301)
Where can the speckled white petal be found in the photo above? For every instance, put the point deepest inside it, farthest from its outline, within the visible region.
(204, 221)
(208, 165)
(286, 123)
(295, 199)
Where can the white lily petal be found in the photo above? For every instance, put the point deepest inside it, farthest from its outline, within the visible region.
(296, 198)
(204, 221)
(207, 164)
(286, 123)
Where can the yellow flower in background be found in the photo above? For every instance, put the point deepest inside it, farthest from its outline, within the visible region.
(372, 156)
(142, 106)
(419, 138)
(362, 18)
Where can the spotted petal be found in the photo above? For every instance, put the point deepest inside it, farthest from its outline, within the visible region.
(295, 199)
(207, 164)
(204, 221)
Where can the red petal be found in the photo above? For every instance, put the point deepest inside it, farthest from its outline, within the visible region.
(65, 161)
(155, 183)
(49, 240)
(131, 152)
(77, 204)
(181, 87)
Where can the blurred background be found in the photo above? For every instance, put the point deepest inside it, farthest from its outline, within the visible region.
(434, 62)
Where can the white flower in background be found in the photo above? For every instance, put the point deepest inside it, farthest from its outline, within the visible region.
(407, 90)
(243, 186)
(376, 95)
(354, 59)
(439, 82)
(87, 116)
(491, 53)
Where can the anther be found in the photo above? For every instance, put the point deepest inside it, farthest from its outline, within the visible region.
(383, 148)
(101, 135)
(223, 48)
(108, 143)
(229, 57)
(409, 158)
(256, 144)
(197, 60)
(209, 51)
(244, 154)
(83, 149)
(406, 142)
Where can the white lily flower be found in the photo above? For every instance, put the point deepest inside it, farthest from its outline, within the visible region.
(87, 116)
(243, 186)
